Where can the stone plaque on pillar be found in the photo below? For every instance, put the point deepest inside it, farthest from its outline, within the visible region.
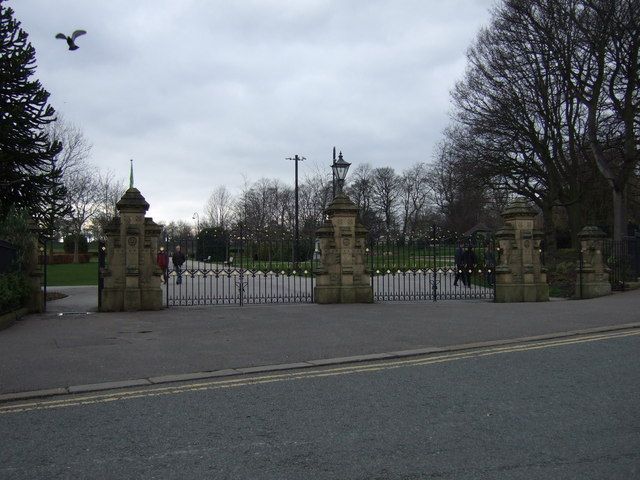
(341, 276)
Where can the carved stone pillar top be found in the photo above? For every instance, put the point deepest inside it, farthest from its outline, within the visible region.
(519, 208)
(591, 232)
(132, 201)
(342, 204)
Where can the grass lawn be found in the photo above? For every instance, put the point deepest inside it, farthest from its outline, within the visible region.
(72, 274)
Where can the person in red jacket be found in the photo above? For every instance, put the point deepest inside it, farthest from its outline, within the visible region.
(163, 262)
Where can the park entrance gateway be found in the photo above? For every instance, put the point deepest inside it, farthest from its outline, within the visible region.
(242, 268)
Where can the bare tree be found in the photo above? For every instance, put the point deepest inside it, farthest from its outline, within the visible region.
(519, 118)
(266, 206)
(603, 72)
(110, 191)
(75, 146)
(71, 158)
(414, 194)
(384, 195)
(315, 195)
(219, 208)
(83, 192)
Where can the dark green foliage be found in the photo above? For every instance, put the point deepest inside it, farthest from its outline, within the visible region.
(213, 244)
(29, 178)
(83, 245)
(561, 273)
(14, 291)
(14, 228)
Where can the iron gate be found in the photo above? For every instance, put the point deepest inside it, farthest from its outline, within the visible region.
(238, 268)
(433, 267)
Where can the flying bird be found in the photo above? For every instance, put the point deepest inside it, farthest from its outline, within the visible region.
(71, 40)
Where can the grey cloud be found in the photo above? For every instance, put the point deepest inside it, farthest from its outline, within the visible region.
(202, 93)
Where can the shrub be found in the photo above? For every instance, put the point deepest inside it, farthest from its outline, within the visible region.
(14, 228)
(14, 291)
(63, 258)
(83, 245)
(561, 273)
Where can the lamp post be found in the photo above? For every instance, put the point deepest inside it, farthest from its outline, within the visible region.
(196, 217)
(340, 168)
(296, 244)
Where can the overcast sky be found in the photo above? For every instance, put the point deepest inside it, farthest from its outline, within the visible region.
(202, 93)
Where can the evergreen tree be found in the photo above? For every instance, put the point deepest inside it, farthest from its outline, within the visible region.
(29, 177)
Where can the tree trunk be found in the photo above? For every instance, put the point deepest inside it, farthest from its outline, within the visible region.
(574, 212)
(550, 243)
(619, 214)
(76, 243)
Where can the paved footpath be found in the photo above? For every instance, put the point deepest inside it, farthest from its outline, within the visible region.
(78, 350)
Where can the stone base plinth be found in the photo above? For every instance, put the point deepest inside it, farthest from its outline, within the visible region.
(533, 292)
(343, 294)
(112, 300)
(131, 300)
(151, 298)
(592, 289)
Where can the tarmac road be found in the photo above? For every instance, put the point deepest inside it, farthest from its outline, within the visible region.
(553, 409)
(52, 351)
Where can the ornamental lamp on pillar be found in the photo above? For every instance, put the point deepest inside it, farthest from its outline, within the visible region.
(340, 169)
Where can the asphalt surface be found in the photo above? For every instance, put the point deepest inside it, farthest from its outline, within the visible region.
(549, 410)
(52, 350)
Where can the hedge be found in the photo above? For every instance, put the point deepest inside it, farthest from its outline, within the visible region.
(14, 291)
(59, 258)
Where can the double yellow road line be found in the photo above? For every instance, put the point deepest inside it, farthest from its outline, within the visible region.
(79, 400)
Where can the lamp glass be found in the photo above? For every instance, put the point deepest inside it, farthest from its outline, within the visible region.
(340, 168)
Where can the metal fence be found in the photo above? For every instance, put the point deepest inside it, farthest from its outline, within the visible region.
(238, 269)
(432, 268)
(623, 259)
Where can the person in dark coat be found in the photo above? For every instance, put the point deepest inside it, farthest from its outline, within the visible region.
(469, 262)
(459, 265)
(178, 259)
(490, 266)
(162, 259)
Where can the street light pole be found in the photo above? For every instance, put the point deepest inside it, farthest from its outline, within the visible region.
(296, 244)
(196, 217)
(333, 171)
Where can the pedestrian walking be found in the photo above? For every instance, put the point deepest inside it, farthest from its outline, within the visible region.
(490, 266)
(178, 259)
(469, 263)
(459, 265)
(162, 259)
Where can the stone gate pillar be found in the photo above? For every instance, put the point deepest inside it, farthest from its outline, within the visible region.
(520, 276)
(35, 302)
(592, 279)
(131, 276)
(342, 276)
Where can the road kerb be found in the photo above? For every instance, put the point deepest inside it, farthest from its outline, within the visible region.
(156, 380)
